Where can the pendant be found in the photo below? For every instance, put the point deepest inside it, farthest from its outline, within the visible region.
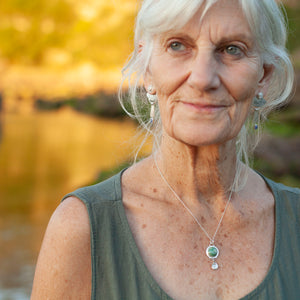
(213, 252)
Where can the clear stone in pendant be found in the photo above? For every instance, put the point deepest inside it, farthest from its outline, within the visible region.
(215, 266)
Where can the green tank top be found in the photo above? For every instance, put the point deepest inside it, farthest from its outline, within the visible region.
(119, 273)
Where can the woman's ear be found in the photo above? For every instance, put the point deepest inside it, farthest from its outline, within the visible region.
(147, 79)
(266, 76)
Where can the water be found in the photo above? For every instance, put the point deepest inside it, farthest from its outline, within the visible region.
(42, 157)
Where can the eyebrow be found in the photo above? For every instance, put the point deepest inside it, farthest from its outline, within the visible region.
(175, 34)
(238, 37)
(241, 36)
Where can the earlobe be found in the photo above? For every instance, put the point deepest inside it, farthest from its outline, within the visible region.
(148, 79)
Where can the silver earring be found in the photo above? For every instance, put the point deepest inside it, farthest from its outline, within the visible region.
(152, 98)
(257, 103)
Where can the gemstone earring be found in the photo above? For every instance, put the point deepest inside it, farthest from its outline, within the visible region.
(257, 103)
(152, 98)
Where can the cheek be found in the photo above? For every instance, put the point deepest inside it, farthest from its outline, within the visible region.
(167, 75)
(242, 92)
(242, 82)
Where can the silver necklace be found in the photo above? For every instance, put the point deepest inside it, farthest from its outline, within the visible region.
(212, 251)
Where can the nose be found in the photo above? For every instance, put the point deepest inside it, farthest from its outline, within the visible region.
(204, 74)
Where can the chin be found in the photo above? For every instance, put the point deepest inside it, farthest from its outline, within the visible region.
(202, 137)
(200, 140)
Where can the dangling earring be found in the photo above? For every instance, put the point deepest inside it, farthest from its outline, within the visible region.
(257, 103)
(152, 98)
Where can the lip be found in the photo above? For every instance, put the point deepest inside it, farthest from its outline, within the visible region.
(204, 107)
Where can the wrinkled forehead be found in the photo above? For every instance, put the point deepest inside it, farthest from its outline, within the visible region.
(165, 15)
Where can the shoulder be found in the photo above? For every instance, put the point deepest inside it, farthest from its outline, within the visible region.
(64, 263)
(72, 215)
(69, 224)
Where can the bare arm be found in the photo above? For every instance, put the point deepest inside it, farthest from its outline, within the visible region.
(63, 270)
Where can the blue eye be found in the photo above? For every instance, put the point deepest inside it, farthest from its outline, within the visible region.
(233, 50)
(177, 46)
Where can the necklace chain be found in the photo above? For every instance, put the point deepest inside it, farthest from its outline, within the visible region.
(211, 239)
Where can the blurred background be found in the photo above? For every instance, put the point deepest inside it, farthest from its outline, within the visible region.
(61, 126)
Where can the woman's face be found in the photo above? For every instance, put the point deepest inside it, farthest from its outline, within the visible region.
(205, 76)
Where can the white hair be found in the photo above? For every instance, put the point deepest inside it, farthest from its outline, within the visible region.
(267, 23)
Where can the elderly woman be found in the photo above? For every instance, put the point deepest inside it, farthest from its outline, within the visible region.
(191, 221)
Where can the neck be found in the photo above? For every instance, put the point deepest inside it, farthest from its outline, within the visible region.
(198, 173)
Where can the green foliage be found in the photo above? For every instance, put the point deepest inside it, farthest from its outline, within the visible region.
(285, 123)
(268, 170)
(293, 14)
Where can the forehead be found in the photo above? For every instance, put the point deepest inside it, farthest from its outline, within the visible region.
(224, 14)
(224, 17)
